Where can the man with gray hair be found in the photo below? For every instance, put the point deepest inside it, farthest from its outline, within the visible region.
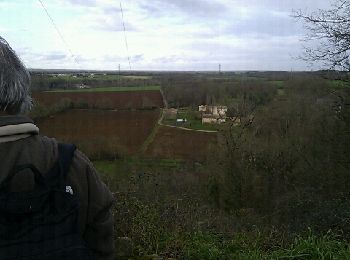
(33, 170)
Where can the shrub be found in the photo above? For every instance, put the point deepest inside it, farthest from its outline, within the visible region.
(40, 111)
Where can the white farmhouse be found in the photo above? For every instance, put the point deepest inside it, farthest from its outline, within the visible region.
(213, 114)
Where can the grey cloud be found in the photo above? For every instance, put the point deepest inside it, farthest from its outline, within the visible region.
(23, 51)
(260, 25)
(180, 59)
(167, 59)
(51, 56)
(112, 11)
(270, 53)
(82, 59)
(286, 6)
(48, 57)
(54, 56)
(202, 8)
(82, 2)
(114, 58)
(114, 24)
(118, 58)
(265, 24)
(137, 58)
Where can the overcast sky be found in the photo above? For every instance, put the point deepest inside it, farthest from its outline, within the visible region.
(161, 34)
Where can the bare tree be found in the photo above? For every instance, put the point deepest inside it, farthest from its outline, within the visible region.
(329, 35)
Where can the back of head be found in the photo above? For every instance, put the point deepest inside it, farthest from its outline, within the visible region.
(14, 82)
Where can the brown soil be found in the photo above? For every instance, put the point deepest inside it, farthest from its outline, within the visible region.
(126, 130)
(181, 144)
(117, 100)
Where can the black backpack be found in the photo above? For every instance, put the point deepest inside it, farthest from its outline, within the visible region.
(42, 223)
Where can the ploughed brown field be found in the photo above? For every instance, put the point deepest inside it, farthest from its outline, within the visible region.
(117, 100)
(101, 132)
(181, 144)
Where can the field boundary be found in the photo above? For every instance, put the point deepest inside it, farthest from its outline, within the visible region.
(151, 136)
(190, 129)
(107, 89)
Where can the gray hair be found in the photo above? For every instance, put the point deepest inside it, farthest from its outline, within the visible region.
(15, 95)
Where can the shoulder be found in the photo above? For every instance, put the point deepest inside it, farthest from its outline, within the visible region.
(85, 175)
(81, 160)
(82, 168)
(94, 194)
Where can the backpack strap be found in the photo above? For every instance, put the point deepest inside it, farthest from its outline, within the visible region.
(38, 178)
(58, 174)
(65, 157)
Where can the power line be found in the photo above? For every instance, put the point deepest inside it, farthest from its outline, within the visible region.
(125, 38)
(59, 32)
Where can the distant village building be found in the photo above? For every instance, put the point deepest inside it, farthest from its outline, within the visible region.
(202, 108)
(212, 119)
(213, 114)
(213, 110)
(81, 86)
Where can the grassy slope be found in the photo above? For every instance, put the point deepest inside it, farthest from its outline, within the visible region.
(144, 223)
(241, 246)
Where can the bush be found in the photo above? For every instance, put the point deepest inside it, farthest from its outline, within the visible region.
(165, 216)
(287, 161)
(40, 111)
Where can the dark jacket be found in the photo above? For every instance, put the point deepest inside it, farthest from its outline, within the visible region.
(21, 144)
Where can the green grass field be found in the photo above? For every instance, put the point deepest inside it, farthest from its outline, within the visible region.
(136, 77)
(339, 84)
(236, 77)
(70, 78)
(111, 89)
(278, 83)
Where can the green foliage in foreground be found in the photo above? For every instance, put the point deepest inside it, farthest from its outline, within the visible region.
(152, 210)
(339, 84)
(152, 238)
(205, 246)
(111, 89)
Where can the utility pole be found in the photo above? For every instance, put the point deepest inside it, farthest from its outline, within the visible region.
(219, 68)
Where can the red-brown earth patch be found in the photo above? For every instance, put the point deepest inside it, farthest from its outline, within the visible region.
(101, 131)
(116, 100)
(181, 144)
